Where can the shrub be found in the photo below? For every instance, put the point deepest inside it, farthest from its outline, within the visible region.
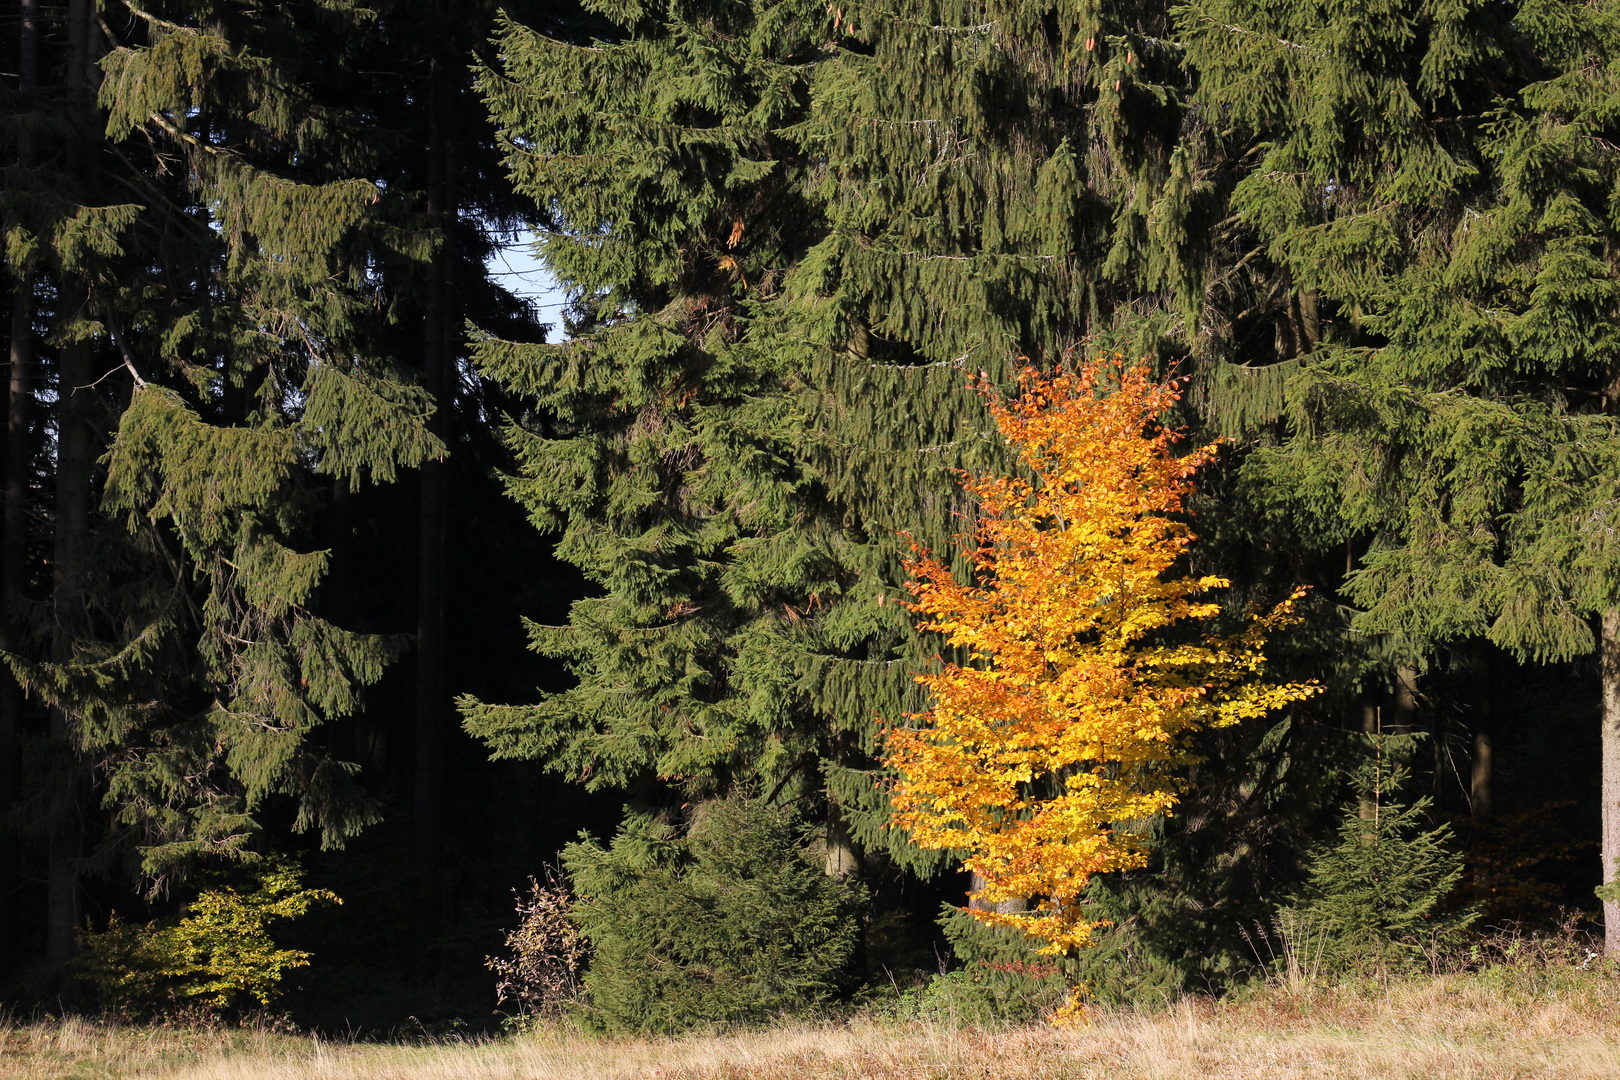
(541, 974)
(1001, 978)
(729, 923)
(217, 955)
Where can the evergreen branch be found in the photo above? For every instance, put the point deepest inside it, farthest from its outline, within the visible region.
(955, 362)
(543, 39)
(188, 139)
(110, 371)
(156, 193)
(173, 27)
(857, 660)
(1162, 42)
(983, 436)
(1256, 33)
(923, 256)
(980, 28)
(109, 33)
(903, 123)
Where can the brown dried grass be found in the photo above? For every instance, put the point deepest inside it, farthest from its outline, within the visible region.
(1495, 1024)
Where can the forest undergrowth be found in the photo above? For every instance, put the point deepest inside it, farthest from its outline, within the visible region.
(1523, 1011)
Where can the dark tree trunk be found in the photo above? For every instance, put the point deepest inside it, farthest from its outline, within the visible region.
(1480, 803)
(12, 568)
(75, 458)
(338, 599)
(1404, 720)
(1610, 755)
(14, 531)
(432, 708)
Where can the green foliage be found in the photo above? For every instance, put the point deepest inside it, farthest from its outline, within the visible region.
(1377, 893)
(792, 232)
(1427, 189)
(217, 955)
(238, 299)
(729, 922)
(998, 980)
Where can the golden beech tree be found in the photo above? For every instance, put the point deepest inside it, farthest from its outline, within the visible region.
(1068, 716)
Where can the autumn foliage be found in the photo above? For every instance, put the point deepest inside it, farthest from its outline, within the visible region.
(1066, 717)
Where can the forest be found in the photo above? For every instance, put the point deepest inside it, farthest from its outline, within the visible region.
(400, 648)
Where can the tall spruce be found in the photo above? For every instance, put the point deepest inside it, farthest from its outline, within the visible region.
(61, 230)
(793, 233)
(212, 313)
(438, 145)
(1426, 314)
(13, 524)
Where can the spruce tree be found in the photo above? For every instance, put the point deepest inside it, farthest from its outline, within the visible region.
(62, 227)
(729, 921)
(431, 149)
(208, 315)
(793, 234)
(1423, 323)
(1376, 895)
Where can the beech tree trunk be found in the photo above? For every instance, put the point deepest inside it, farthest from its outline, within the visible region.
(1610, 755)
(432, 708)
(1003, 907)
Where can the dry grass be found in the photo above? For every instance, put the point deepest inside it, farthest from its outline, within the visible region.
(1481, 1026)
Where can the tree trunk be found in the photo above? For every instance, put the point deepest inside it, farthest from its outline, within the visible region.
(1480, 803)
(13, 568)
(1002, 907)
(75, 458)
(431, 705)
(13, 565)
(1371, 724)
(841, 858)
(1404, 722)
(1479, 781)
(14, 530)
(1610, 754)
(337, 602)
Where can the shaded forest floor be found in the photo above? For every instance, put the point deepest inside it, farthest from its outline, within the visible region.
(1490, 1024)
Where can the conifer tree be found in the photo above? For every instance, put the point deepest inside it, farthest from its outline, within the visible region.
(60, 230)
(436, 144)
(1426, 312)
(1376, 893)
(793, 233)
(731, 923)
(220, 322)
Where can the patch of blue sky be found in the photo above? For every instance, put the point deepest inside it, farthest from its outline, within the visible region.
(516, 267)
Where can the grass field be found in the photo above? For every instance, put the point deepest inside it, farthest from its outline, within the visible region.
(1482, 1025)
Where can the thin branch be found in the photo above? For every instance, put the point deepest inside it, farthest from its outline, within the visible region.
(129, 359)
